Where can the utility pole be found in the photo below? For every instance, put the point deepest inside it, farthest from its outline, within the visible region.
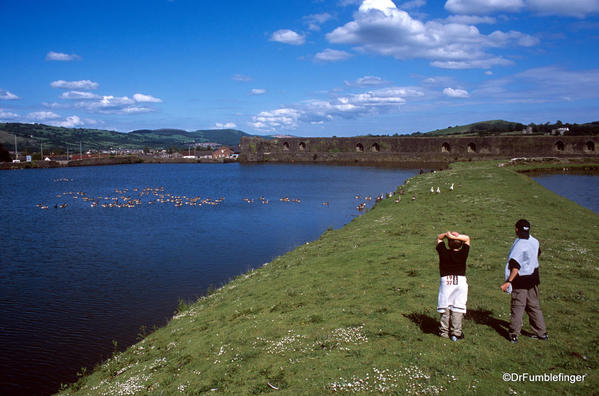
(16, 152)
(41, 151)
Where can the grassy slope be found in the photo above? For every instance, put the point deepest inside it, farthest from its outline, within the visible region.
(359, 304)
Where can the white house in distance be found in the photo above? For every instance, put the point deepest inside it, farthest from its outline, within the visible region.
(221, 153)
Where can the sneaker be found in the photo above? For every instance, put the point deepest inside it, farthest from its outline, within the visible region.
(543, 337)
(514, 339)
(454, 338)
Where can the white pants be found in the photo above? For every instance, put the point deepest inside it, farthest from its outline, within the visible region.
(453, 294)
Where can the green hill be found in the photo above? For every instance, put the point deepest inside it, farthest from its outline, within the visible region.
(482, 127)
(501, 127)
(31, 136)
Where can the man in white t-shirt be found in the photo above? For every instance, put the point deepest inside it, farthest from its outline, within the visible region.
(522, 281)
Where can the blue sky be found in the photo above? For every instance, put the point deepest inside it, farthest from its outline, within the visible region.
(300, 67)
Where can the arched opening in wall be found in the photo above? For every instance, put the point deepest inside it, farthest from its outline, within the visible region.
(302, 146)
(471, 148)
(589, 146)
(559, 146)
(315, 157)
(375, 148)
(285, 146)
(359, 148)
(445, 148)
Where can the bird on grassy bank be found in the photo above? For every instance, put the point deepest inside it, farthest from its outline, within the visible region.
(451, 187)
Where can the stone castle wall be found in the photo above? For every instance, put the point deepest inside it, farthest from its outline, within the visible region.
(415, 150)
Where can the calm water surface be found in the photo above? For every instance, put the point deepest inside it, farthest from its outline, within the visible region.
(582, 189)
(74, 279)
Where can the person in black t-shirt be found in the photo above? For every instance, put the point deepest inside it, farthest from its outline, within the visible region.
(453, 287)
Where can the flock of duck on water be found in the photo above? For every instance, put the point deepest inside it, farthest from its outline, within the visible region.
(133, 198)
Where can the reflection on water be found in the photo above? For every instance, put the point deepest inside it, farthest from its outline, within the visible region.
(582, 189)
(130, 240)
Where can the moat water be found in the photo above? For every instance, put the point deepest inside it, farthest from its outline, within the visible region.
(582, 189)
(74, 279)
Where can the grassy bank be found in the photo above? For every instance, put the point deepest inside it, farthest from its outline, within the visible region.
(354, 311)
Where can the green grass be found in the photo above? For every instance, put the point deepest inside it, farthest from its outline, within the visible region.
(355, 311)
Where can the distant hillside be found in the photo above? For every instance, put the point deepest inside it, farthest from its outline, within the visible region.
(30, 136)
(228, 137)
(501, 127)
(482, 127)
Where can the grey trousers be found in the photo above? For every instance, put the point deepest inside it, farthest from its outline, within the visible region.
(451, 324)
(526, 300)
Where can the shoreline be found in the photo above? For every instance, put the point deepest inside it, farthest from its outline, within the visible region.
(543, 164)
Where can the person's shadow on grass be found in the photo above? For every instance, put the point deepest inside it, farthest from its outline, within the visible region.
(430, 325)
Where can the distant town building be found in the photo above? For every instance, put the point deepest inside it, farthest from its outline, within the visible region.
(208, 145)
(527, 130)
(559, 131)
(221, 153)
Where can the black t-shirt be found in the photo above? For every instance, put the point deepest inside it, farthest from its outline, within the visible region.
(452, 262)
(524, 281)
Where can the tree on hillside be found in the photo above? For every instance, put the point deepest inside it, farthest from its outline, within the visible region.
(4, 155)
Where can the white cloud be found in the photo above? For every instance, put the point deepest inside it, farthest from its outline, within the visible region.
(78, 95)
(349, 106)
(503, 39)
(288, 37)
(59, 56)
(43, 115)
(241, 77)
(409, 5)
(141, 98)
(575, 8)
(7, 115)
(258, 91)
(472, 64)
(331, 55)
(226, 125)
(531, 86)
(283, 118)
(456, 93)
(483, 6)
(314, 21)
(7, 95)
(471, 19)
(366, 81)
(82, 84)
(113, 105)
(70, 122)
(489, 73)
(380, 27)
